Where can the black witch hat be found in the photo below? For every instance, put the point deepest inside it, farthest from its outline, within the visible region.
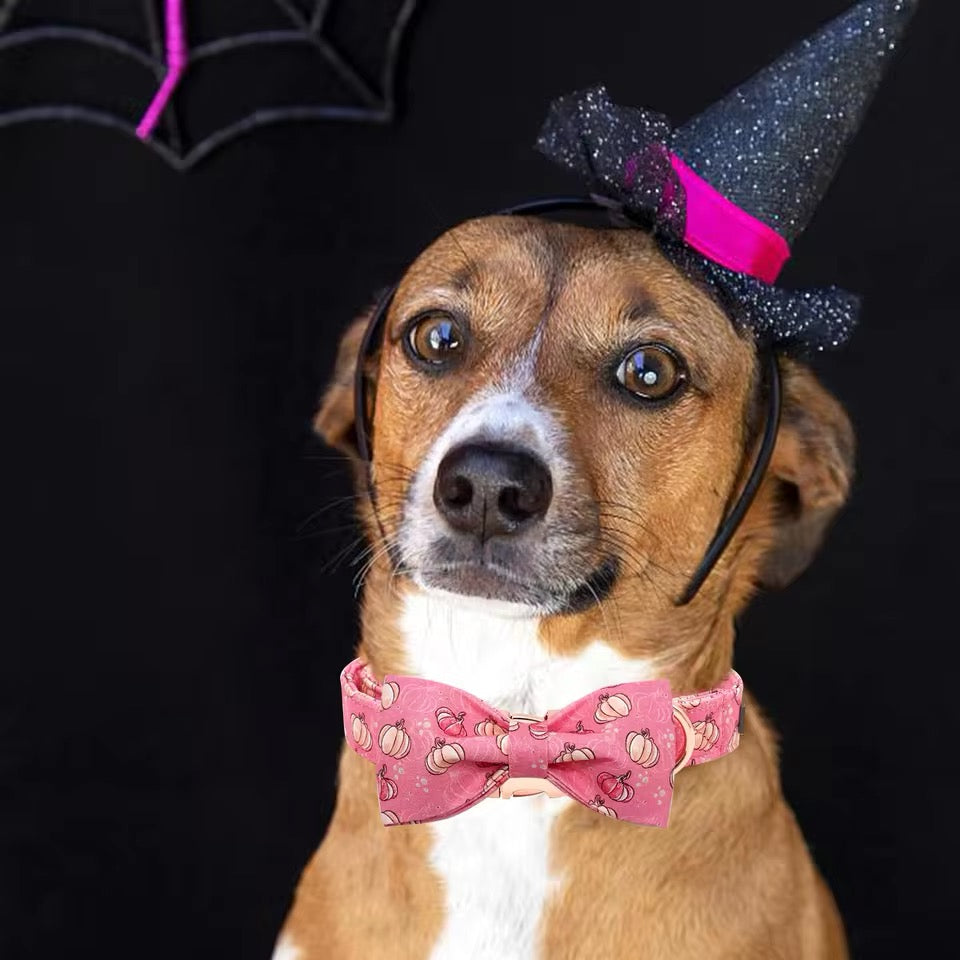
(724, 196)
(728, 192)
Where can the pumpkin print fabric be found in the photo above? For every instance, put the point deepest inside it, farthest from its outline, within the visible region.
(642, 749)
(438, 750)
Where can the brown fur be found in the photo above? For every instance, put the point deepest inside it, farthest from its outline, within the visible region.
(731, 876)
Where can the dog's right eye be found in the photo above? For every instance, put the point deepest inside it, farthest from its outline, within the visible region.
(435, 338)
(651, 372)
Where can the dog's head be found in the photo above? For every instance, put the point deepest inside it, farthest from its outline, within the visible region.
(561, 415)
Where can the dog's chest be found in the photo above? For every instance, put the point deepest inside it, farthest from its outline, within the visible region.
(494, 859)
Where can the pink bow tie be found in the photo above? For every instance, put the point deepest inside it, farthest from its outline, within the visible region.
(439, 750)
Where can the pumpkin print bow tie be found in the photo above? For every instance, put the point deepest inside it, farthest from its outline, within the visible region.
(439, 750)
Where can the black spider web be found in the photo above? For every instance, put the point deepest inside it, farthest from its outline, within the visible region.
(310, 28)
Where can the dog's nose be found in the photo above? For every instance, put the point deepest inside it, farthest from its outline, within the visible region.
(486, 489)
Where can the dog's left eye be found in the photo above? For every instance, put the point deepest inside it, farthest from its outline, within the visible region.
(435, 338)
(652, 372)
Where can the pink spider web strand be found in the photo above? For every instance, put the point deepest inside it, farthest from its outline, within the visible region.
(176, 64)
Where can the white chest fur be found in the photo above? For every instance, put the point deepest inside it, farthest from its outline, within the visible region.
(494, 858)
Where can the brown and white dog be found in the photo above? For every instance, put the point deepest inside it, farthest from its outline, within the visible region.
(544, 503)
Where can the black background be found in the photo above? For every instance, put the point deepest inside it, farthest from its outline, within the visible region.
(171, 630)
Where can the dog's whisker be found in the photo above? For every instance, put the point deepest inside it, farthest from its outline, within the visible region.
(370, 550)
(361, 575)
(341, 556)
(329, 457)
(611, 533)
(330, 505)
(399, 468)
(603, 612)
(640, 563)
(637, 520)
(348, 558)
(331, 565)
(325, 531)
(314, 528)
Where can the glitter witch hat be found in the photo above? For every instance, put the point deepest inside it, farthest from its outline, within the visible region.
(728, 192)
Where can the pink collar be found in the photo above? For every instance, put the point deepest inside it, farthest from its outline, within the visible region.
(439, 750)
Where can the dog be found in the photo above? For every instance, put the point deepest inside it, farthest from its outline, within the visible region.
(541, 499)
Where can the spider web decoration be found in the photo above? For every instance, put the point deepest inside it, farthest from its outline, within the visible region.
(249, 64)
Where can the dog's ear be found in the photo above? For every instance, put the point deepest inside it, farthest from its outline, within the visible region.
(812, 466)
(335, 420)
